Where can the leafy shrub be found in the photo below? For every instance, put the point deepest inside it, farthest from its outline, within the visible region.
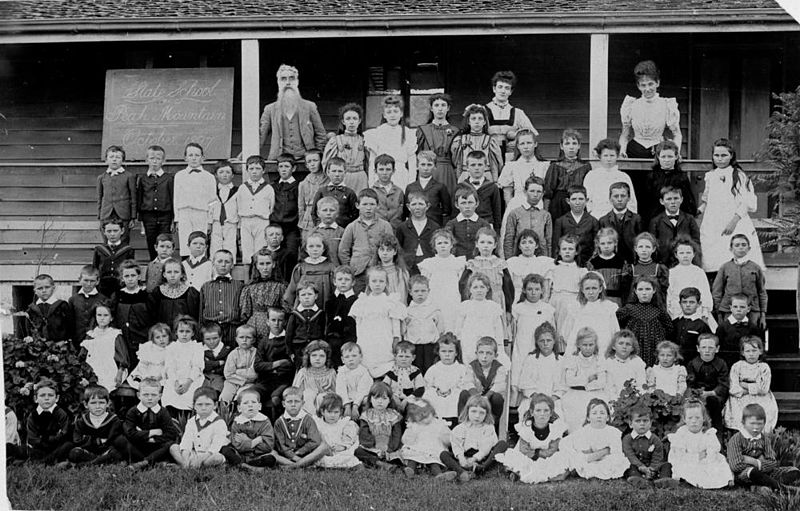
(665, 409)
(783, 501)
(787, 446)
(28, 360)
(782, 150)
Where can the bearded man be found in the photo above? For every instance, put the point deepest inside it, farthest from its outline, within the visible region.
(292, 123)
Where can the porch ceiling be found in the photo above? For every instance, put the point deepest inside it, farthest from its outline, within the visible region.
(43, 20)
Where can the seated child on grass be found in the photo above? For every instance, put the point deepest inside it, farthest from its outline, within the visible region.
(751, 454)
(298, 443)
(148, 427)
(695, 450)
(380, 429)
(252, 437)
(96, 430)
(338, 432)
(596, 449)
(47, 428)
(645, 452)
(473, 442)
(537, 457)
(206, 433)
(425, 439)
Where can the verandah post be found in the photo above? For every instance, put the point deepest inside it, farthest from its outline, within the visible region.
(250, 98)
(598, 89)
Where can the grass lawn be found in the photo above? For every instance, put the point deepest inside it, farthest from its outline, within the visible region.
(165, 488)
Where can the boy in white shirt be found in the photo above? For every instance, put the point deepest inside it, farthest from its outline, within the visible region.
(255, 201)
(194, 189)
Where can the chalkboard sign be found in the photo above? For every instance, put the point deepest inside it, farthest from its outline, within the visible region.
(170, 108)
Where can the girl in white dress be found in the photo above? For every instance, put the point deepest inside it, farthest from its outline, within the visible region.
(443, 271)
(339, 432)
(445, 380)
(378, 317)
(594, 310)
(528, 262)
(667, 375)
(564, 278)
(106, 351)
(515, 173)
(424, 440)
(622, 364)
(395, 139)
(526, 316)
(151, 355)
(583, 376)
(685, 274)
(183, 366)
(480, 317)
(750, 382)
(537, 457)
(595, 450)
(695, 451)
(541, 370)
(727, 199)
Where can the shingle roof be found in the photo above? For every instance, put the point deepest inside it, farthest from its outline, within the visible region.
(39, 10)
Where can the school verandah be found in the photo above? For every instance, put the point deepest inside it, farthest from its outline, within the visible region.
(574, 63)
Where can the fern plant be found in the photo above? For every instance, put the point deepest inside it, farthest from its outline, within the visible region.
(782, 150)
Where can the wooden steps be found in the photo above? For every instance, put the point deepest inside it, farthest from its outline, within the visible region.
(788, 407)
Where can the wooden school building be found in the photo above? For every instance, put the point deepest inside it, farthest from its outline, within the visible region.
(574, 59)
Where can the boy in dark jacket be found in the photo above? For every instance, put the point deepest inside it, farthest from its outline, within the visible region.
(149, 431)
(96, 430)
(47, 428)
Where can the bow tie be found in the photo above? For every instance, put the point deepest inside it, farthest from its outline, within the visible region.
(742, 322)
(195, 170)
(475, 183)
(673, 217)
(223, 278)
(336, 187)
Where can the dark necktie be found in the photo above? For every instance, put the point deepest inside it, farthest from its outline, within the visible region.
(223, 215)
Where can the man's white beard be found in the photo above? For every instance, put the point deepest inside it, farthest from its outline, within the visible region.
(288, 100)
